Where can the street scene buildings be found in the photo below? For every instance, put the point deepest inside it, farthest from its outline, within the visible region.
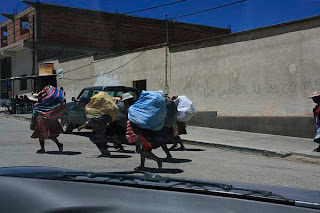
(98, 91)
(45, 31)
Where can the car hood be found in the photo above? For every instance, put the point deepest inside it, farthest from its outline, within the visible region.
(296, 194)
(19, 170)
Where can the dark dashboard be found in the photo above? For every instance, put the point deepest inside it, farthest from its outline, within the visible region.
(39, 195)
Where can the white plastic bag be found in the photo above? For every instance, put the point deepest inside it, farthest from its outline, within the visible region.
(185, 108)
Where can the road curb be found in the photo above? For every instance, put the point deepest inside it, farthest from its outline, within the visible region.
(251, 150)
(305, 155)
(16, 116)
(241, 149)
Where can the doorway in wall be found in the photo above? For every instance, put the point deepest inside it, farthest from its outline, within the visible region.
(140, 85)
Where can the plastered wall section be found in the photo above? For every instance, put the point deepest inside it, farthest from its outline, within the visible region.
(76, 76)
(271, 76)
(146, 65)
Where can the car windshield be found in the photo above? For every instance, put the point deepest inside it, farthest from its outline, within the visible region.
(225, 91)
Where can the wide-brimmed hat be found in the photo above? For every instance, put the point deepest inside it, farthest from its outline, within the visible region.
(126, 96)
(33, 97)
(314, 94)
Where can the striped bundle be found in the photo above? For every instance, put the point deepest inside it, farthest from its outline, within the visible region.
(51, 103)
(130, 135)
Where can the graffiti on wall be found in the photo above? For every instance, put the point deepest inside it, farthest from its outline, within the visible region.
(224, 88)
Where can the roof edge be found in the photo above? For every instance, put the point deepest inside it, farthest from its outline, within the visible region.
(35, 4)
(248, 31)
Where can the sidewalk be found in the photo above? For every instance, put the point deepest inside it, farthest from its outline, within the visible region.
(270, 145)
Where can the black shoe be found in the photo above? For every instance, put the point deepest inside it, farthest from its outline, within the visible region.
(119, 147)
(317, 149)
(104, 155)
(174, 146)
(182, 148)
(60, 147)
(41, 151)
(139, 168)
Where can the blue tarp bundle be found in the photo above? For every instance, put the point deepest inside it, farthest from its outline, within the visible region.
(149, 112)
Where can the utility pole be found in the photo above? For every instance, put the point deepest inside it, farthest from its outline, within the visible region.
(166, 87)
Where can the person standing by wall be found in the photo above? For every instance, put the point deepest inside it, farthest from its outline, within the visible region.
(316, 113)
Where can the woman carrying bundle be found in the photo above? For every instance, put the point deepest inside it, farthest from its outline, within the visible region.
(50, 106)
(145, 125)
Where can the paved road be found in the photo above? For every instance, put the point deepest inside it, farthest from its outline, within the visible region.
(18, 149)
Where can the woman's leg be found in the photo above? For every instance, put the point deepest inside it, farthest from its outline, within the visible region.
(149, 154)
(165, 149)
(178, 139)
(117, 143)
(174, 145)
(164, 140)
(100, 130)
(143, 159)
(41, 150)
(60, 145)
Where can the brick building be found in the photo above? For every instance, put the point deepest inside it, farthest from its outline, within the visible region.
(46, 31)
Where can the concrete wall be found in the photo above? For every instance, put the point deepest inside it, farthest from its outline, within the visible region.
(21, 64)
(271, 76)
(75, 69)
(17, 90)
(115, 71)
(256, 81)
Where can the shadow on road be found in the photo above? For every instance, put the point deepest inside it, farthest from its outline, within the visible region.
(116, 156)
(176, 160)
(188, 149)
(85, 134)
(63, 153)
(168, 171)
(125, 151)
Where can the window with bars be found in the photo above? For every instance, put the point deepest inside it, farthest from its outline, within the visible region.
(4, 36)
(24, 25)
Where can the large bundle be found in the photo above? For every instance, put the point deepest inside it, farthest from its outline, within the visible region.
(149, 112)
(172, 113)
(51, 103)
(185, 108)
(101, 104)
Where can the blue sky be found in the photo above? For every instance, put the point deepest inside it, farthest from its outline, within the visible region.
(248, 15)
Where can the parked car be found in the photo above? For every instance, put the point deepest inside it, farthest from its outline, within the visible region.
(74, 115)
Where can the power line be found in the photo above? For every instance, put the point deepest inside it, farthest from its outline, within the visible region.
(206, 10)
(82, 79)
(154, 7)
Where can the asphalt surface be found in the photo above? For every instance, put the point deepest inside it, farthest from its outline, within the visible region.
(18, 149)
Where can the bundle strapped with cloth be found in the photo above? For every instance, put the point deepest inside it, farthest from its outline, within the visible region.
(149, 112)
(51, 103)
(100, 104)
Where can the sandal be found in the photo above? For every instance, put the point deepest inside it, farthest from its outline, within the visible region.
(119, 147)
(41, 151)
(317, 149)
(105, 155)
(139, 168)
